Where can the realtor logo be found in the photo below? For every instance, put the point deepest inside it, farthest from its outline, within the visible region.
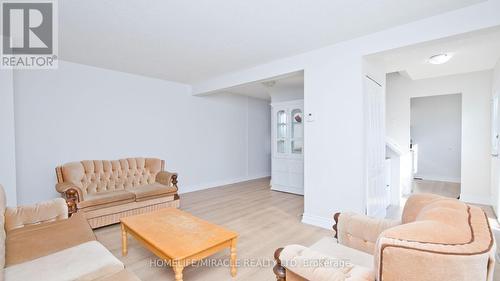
(29, 34)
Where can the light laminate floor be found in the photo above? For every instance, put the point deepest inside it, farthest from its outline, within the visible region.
(265, 219)
(447, 189)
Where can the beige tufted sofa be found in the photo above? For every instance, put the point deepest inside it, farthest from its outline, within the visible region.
(436, 239)
(105, 191)
(40, 242)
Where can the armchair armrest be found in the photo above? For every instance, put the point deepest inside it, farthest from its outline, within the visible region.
(167, 178)
(47, 211)
(73, 195)
(359, 231)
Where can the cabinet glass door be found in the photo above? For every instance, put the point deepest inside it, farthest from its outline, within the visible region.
(297, 131)
(281, 131)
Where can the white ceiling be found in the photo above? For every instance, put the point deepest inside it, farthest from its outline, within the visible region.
(258, 89)
(189, 41)
(475, 51)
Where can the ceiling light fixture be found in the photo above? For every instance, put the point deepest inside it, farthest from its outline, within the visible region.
(440, 59)
(269, 84)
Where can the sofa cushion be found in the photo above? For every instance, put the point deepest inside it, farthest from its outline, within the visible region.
(87, 261)
(96, 176)
(43, 212)
(106, 198)
(34, 241)
(151, 191)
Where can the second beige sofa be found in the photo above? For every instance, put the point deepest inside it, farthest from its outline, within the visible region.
(105, 191)
(40, 242)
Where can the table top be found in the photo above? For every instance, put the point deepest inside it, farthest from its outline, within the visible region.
(177, 234)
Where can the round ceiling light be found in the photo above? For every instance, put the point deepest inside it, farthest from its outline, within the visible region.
(440, 59)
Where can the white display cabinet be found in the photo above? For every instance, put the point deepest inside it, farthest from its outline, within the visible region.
(288, 147)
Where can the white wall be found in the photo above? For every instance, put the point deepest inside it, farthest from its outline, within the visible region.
(259, 138)
(286, 94)
(495, 161)
(436, 128)
(398, 130)
(476, 92)
(334, 148)
(7, 137)
(79, 112)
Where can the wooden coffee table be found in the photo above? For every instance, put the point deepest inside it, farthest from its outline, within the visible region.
(179, 238)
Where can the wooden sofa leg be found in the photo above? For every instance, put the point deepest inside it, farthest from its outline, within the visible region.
(335, 227)
(278, 269)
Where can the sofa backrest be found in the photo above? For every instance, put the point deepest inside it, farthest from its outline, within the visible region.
(3, 202)
(440, 239)
(94, 176)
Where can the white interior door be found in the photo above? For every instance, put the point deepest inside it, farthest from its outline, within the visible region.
(376, 193)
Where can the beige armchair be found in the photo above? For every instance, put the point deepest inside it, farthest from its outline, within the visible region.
(105, 191)
(437, 238)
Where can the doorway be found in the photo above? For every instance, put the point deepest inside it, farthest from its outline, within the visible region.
(285, 127)
(436, 144)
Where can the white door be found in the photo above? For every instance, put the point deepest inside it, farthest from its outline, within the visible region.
(376, 194)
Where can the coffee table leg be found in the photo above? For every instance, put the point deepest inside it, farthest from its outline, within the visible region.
(178, 268)
(233, 257)
(124, 241)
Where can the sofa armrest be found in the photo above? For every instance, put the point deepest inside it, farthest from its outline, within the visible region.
(315, 266)
(73, 195)
(167, 178)
(359, 231)
(47, 211)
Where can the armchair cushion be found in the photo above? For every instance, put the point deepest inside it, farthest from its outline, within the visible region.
(48, 211)
(361, 232)
(330, 247)
(151, 191)
(300, 260)
(105, 199)
(326, 260)
(34, 241)
(415, 204)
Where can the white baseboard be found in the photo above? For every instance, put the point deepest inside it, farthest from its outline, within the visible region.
(474, 199)
(288, 189)
(318, 221)
(202, 186)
